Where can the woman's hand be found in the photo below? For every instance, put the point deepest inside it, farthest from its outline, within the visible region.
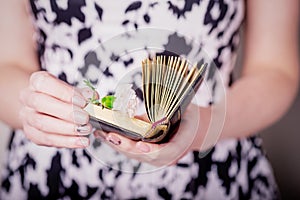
(189, 137)
(52, 113)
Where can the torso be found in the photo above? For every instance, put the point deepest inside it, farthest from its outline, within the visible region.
(192, 29)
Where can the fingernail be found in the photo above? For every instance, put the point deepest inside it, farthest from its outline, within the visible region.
(81, 117)
(87, 93)
(113, 139)
(78, 101)
(143, 147)
(83, 141)
(83, 129)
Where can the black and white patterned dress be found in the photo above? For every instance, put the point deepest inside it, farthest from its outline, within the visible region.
(105, 41)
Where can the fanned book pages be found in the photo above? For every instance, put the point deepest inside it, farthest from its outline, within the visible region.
(169, 84)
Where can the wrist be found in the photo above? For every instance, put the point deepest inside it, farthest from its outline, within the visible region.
(203, 127)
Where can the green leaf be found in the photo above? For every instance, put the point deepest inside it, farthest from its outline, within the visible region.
(93, 100)
(89, 84)
(108, 101)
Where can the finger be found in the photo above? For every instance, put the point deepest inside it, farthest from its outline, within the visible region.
(88, 93)
(54, 125)
(143, 117)
(146, 147)
(46, 83)
(100, 135)
(160, 154)
(155, 154)
(54, 140)
(51, 106)
(136, 147)
(122, 143)
(113, 140)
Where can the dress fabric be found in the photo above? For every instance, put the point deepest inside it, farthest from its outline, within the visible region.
(103, 41)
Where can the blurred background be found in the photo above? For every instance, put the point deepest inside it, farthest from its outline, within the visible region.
(281, 142)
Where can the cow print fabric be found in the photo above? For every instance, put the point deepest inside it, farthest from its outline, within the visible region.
(104, 41)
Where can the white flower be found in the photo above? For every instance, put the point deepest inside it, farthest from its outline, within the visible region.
(126, 100)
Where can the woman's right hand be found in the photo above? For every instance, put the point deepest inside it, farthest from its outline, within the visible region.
(52, 112)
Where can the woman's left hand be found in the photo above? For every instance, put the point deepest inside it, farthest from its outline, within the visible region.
(189, 137)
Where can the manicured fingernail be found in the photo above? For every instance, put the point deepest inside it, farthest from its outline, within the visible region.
(78, 101)
(83, 142)
(113, 139)
(143, 147)
(83, 129)
(81, 117)
(87, 93)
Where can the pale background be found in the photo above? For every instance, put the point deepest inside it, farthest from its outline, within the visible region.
(281, 141)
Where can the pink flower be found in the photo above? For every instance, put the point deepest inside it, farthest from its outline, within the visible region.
(126, 100)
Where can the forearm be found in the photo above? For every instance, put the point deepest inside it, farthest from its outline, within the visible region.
(13, 80)
(18, 58)
(270, 73)
(257, 101)
(253, 103)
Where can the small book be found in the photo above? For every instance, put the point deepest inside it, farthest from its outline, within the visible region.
(169, 84)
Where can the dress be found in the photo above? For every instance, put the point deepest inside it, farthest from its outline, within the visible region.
(100, 40)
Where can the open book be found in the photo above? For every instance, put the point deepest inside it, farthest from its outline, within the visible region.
(169, 84)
